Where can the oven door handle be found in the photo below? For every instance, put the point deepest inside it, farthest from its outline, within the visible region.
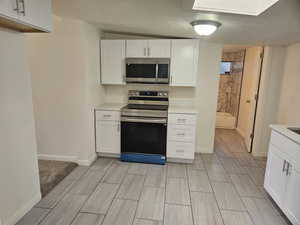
(140, 120)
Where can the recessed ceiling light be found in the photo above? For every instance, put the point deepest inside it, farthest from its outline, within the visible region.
(205, 27)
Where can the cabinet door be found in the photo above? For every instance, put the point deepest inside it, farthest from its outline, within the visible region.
(112, 61)
(275, 177)
(136, 48)
(108, 137)
(37, 13)
(159, 48)
(292, 206)
(8, 8)
(184, 62)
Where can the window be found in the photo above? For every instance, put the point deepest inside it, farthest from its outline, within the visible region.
(225, 68)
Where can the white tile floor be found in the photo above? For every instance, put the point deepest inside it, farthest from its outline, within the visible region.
(224, 188)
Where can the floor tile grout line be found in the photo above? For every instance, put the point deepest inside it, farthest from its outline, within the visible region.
(88, 196)
(138, 201)
(192, 212)
(114, 198)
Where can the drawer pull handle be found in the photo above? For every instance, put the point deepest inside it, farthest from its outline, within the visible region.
(180, 134)
(107, 116)
(180, 151)
(181, 120)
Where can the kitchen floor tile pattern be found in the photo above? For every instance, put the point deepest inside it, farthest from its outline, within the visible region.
(209, 192)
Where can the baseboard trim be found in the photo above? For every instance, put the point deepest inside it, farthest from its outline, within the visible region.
(87, 162)
(240, 132)
(23, 210)
(63, 158)
(204, 150)
(176, 160)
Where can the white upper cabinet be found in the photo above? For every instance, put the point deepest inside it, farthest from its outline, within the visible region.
(38, 13)
(8, 8)
(136, 48)
(184, 62)
(112, 61)
(27, 15)
(160, 48)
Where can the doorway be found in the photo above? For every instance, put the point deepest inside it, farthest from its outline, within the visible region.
(238, 91)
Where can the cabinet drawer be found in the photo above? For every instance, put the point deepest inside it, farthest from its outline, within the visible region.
(285, 145)
(108, 115)
(181, 133)
(180, 150)
(182, 119)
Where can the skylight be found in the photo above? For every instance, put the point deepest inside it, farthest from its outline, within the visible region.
(244, 7)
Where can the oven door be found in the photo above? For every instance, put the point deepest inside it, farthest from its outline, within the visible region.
(140, 73)
(143, 139)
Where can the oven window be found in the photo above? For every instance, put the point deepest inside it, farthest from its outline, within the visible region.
(140, 70)
(163, 71)
(147, 138)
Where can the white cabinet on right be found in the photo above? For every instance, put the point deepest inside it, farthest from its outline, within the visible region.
(181, 138)
(184, 62)
(282, 178)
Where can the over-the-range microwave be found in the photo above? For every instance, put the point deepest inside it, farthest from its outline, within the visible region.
(148, 70)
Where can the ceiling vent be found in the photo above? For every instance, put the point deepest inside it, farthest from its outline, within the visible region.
(244, 7)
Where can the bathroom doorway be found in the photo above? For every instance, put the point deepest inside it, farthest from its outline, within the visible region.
(238, 90)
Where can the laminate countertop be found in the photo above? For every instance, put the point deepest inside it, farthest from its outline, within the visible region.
(283, 129)
(110, 106)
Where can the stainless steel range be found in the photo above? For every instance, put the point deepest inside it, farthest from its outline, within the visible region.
(144, 127)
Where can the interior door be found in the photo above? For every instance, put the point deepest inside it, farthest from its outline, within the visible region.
(249, 94)
(275, 177)
(292, 205)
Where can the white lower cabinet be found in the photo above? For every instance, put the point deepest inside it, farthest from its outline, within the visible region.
(108, 132)
(282, 178)
(181, 138)
(292, 201)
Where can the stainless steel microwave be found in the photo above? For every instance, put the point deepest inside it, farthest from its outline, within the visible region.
(148, 70)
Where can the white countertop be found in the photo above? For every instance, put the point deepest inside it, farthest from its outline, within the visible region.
(283, 129)
(182, 109)
(110, 106)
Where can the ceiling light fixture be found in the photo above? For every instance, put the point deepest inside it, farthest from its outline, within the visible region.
(205, 27)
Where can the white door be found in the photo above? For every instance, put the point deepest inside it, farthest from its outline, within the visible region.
(275, 177)
(251, 76)
(184, 62)
(292, 203)
(8, 8)
(112, 61)
(37, 13)
(159, 48)
(108, 137)
(136, 48)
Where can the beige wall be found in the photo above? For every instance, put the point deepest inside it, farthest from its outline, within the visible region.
(289, 105)
(203, 97)
(65, 77)
(19, 180)
(271, 81)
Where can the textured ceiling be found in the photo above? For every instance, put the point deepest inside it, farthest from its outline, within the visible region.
(280, 24)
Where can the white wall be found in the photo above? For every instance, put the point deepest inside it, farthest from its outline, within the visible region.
(289, 105)
(271, 78)
(19, 180)
(203, 97)
(65, 73)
